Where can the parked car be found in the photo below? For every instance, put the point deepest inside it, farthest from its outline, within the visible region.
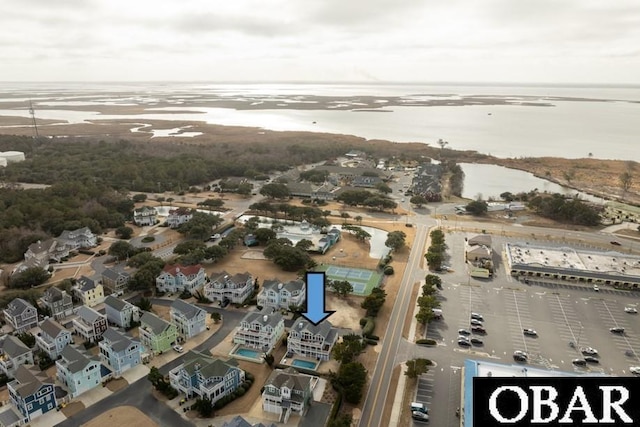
(476, 322)
(477, 316)
(617, 330)
(634, 370)
(477, 341)
(464, 343)
(579, 362)
(178, 348)
(463, 332)
(596, 288)
(463, 337)
(631, 310)
(615, 243)
(589, 350)
(529, 332)
(419, 416)
(520, 356)
(420, 407)
(478, 330)
(591, 359)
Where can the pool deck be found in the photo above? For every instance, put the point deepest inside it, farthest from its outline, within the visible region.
(237, 347)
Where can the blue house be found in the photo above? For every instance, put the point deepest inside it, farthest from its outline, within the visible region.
(119, 351)
(32, 392)
(206, 376)
(79, 372)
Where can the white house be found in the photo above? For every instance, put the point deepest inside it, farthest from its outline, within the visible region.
(287, 392)
(145, 216)
(189, 319)
(225, 288)
(260, 330)
(120, 312)
(178, 278)
(81, 238)
(312, 341)
(279, 295)
(179, 216)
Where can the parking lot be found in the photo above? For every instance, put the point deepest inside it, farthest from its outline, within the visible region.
(566, 318)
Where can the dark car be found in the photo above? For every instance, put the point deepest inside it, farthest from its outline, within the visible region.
(579, 362)
(616, 330)
(520, 356)
(613, 242)
(591, 359)
(408, 225)
(464, 343)
(477, 341)
(464, 332)
(478, 330)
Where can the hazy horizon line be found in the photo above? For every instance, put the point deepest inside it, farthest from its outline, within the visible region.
(339, 82)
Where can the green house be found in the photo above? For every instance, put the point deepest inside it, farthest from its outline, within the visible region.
(156, 334)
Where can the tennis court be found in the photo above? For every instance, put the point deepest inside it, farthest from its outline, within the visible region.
(363, 281)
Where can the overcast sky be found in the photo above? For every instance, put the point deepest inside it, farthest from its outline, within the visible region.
(567, 41)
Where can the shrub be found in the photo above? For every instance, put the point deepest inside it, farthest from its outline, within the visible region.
(249, 376)
(368, 327)
(363, 322)
(241, 391)
(148, 239)
(426, 341)
(388, 270)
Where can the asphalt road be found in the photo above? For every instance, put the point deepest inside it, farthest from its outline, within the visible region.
(378, 393)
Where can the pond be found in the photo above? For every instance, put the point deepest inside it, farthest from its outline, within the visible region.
(489, 181)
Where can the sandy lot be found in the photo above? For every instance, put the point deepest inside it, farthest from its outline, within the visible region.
(121, 416)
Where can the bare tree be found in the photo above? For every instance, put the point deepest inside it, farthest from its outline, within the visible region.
(626, 180)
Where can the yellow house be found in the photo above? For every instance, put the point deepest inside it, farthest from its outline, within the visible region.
(89, 292)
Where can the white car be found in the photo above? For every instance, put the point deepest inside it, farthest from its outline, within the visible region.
(596, 288)
(631, 310)
(178, 348)
(530, 332)
(589, 350)
(635, 370)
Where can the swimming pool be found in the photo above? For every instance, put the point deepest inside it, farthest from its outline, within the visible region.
(247, 352)
(306, 364)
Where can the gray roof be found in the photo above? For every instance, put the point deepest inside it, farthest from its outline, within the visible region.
(88, 314)
(238, 421)
(291, 285)
(116, 303)
(53, 294)
(51, 328)
(118, 341)
(86, 284)
(29, 380)
(75, 360)
(66, 234)
(10, 416)
(113, 274)
(290, 378)
(157, 325)
(189, 311)
(209, 366)
(17, 307)
(271, 319)
(13, 347)
(40, 247)
(324, 328)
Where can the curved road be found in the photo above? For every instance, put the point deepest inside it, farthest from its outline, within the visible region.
(139, 394)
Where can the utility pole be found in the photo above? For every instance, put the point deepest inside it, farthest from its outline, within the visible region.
(32, 113)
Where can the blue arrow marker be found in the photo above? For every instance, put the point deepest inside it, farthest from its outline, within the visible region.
(316, 310)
